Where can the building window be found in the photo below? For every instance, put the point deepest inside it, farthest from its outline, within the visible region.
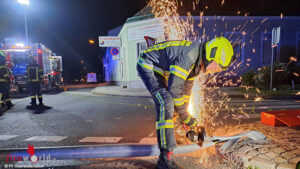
(141, 47)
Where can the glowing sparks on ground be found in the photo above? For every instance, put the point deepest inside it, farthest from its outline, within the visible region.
(293, 59)
(279, 70)
(296, 74)
(258, 99)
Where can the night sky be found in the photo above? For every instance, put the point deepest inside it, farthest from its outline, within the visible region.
(65, 26)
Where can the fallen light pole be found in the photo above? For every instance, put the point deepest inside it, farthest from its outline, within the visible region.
(124, 150)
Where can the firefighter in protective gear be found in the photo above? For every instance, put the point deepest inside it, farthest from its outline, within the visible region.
(5, 74)
(168, 70)
(34, 74)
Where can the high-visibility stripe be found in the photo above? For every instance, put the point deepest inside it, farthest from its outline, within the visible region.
(162, 106)
(1, 67)
(3, 80)
(179, 101)
(178, 71)
(142, 63)
(33, 97)
(163, 138)
(188, 119)
(168, 44)
(186, 98)
(164, 124)
(40, 97)
(7, 100)
(6, 75)
(158, 70)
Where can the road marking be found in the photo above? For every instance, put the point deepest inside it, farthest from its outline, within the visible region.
(89, 121)
(100, 139)
(80, 93)
(46, 138)
(148, 140)
(117, 118)
(18, 100)
(7, 137)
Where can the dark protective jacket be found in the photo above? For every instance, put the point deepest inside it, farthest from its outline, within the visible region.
(34, 73)
(179, 62)
(4, 70)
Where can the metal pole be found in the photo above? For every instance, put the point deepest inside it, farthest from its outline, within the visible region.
(271, 78)
(26, 29)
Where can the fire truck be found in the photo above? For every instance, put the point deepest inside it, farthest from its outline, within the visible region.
(18, 59)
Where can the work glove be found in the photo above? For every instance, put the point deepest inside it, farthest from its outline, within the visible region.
(190, 121)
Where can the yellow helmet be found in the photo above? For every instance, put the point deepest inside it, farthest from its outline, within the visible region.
(220, 50)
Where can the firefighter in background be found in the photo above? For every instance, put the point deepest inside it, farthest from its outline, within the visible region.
(168, 70)
(34, 75)
(5, 74)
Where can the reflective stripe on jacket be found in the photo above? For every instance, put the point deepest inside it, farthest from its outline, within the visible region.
(4, 74)
(34, 73)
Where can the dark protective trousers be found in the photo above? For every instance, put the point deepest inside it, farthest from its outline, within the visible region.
(164, 104)
(4, 92)
(36, 92)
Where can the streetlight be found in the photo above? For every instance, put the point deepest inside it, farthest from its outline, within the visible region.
(25, 2)
(91, 41)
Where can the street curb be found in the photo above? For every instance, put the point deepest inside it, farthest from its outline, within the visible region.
(123, 95)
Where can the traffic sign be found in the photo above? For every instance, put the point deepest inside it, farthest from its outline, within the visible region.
(114, 51)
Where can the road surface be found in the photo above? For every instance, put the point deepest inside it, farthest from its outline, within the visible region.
(78, 117)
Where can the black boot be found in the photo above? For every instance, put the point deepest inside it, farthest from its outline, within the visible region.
(41, 101)
(165, 160)
(2, 106)
(9, 104)
(33, 102)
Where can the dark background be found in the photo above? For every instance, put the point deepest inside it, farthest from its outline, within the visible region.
(65, 26)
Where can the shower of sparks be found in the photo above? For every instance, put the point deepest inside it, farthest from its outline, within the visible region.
(264, 20)
(175, 28)
(223, 1)
(298, 93)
